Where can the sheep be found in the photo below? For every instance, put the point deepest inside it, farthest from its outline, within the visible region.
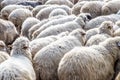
(92, 7)
(38, 25)
(79, 22)
(18, 16)
(27, 24)
(39, 43)
(116, 26)
(85, 16)
(38, 8)
(98, 20)
(108, 8)
(57, 12)
(10, 2)
(60, 2)
(44, 13)
(104, 28)
(53, 22)
(76, 8)
(19, 65)
(96, 39)
(69, 26)
(47, 59)
(3, 52)
(8, 9)
(90, 63)
(30, 3)
(8, 32)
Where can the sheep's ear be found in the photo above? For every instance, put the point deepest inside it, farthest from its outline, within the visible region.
(109, 27)
(118, 44)
(25, 47)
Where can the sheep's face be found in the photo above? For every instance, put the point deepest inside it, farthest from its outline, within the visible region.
(2, 46)
(85, 16)
(21, 43)
(107, 27)
(21, 46)
(105, 10)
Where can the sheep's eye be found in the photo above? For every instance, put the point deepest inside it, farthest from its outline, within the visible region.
(109, 27)
(89, 17)
(25, 47)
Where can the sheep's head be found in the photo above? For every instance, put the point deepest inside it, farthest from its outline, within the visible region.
(85, 16)
(21, 47)
(107, 27)
(79, 34)
(113, 46)
(2, 46)
(106, 10)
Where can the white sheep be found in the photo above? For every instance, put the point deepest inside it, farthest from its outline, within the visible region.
(85, 17)
(10, 2)
(38, 8)
(111, 7)
(18, 16)
(76, 8)
(98, 20)
(96, 39)
(19, 65)
(57, 12)
(92, 7)
(44, 13)
(47, 59)
(39, 43)
(8, 9)
(38, 25)
(68, 26)
(104, 28)
(53, 22)
(27, 24)
(8, 32)
(90, 63)
(60, 2)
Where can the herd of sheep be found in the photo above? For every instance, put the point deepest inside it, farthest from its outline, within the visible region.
(59, 39)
